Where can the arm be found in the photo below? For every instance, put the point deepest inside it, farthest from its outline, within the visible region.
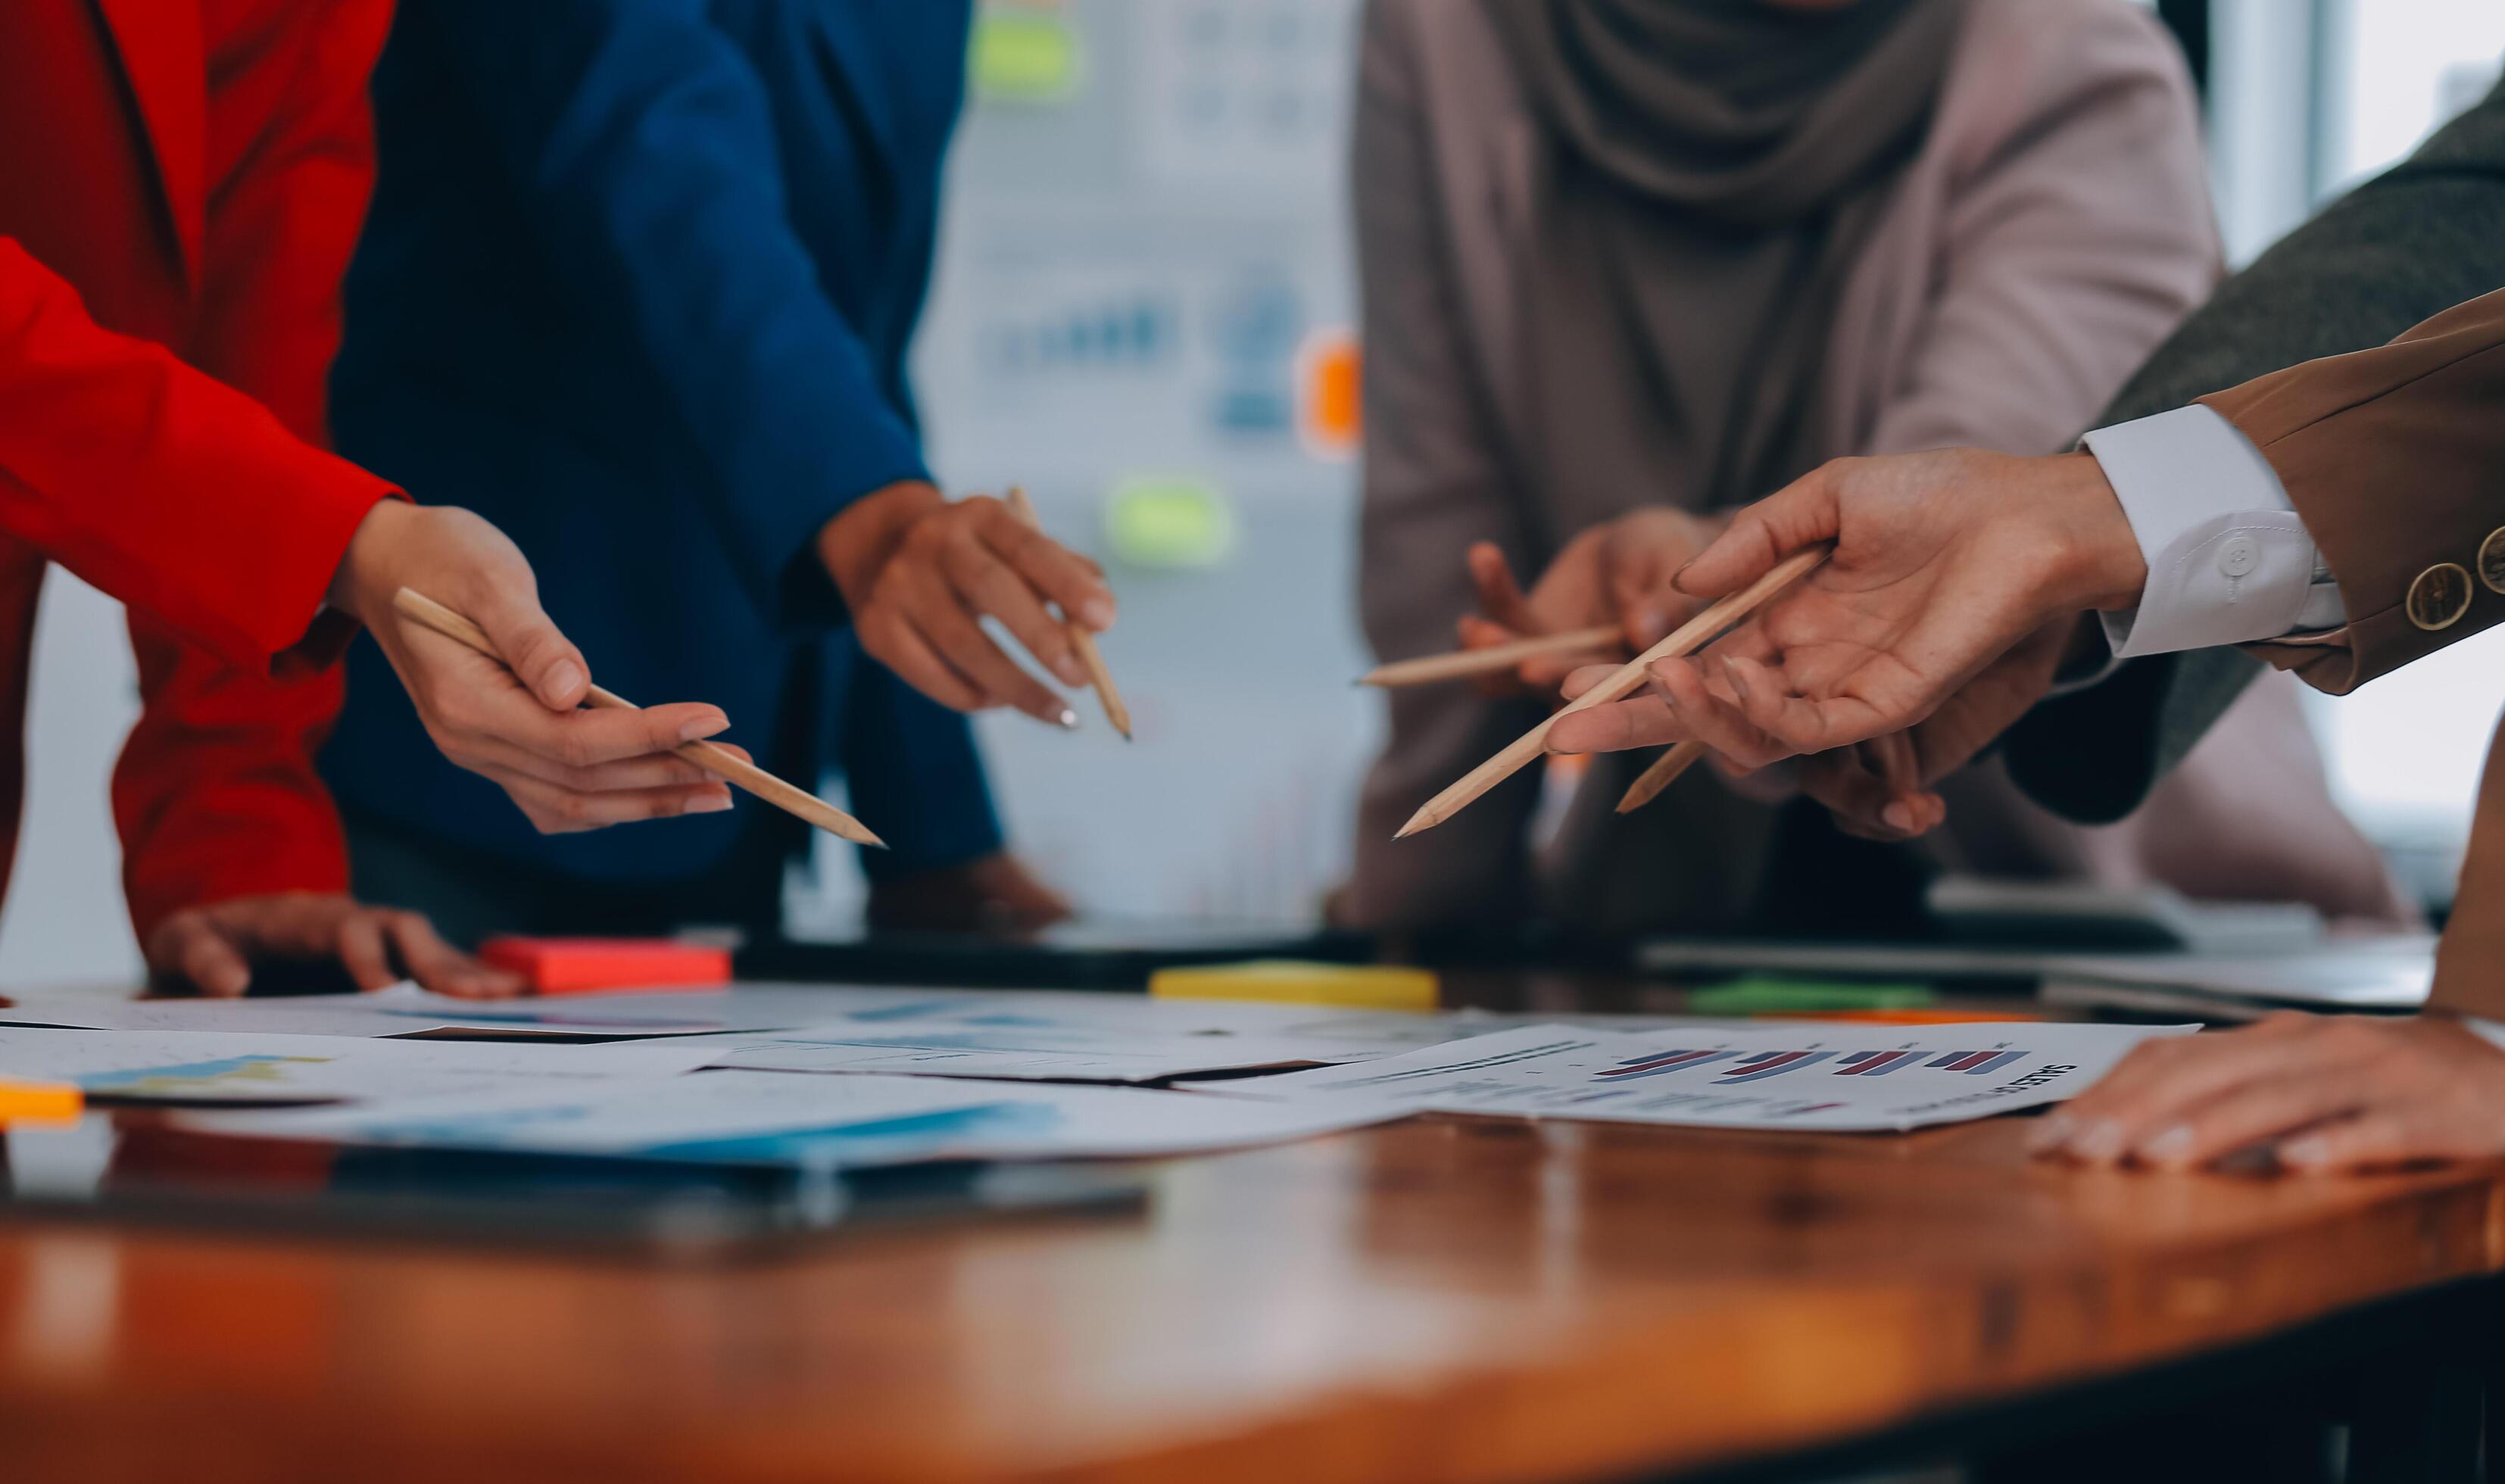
(1942, 561)
(188, 501)
(642, 147)
(178, 495)
(1432, 487)
(215, 794)
(2426, 235)
(2428, 407)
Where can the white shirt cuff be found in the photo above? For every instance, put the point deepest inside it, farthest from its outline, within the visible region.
(2229, 562)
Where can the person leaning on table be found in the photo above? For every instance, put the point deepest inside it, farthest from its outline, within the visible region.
(2342, 518)
(180, 185)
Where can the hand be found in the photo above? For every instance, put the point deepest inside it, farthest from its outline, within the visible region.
(996, 893)
(568, 769)
(920, 572)
(2321, 1092)
(212, 950)
(1881, 790)
(1615, 573)
(1943, 562)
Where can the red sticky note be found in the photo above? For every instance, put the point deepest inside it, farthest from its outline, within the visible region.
(578, 966)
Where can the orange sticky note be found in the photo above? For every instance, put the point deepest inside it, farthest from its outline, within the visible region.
(582, 965)
(40, 1103)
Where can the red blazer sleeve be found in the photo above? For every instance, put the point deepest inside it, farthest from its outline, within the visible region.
(181, 496)
(216, 795)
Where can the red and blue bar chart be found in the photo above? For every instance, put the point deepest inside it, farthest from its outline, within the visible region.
(1757, 1066)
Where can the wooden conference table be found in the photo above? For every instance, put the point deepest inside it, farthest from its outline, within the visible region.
(1442, 1299)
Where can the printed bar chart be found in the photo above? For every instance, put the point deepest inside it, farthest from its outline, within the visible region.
(1975, 1063)
(1876, 1063)
(1658, 1063)
(1761, 1065)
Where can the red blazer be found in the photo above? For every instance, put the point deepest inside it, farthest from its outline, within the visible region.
(182, 185)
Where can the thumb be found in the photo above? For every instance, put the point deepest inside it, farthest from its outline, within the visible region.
(1799, 514)
(548, 663)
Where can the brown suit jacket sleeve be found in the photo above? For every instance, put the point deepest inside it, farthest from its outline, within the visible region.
(2395, 460)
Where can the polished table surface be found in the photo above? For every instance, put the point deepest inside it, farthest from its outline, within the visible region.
(1444, 1299)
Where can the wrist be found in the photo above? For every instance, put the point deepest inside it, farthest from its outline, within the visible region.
(2100, 565)
(363, 574)
(859, 540)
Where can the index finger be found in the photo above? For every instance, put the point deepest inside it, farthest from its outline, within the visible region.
(607, 735)
(1051, 568)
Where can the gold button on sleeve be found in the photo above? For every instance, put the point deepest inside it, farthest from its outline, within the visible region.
(2440, 595)
(2492, 560)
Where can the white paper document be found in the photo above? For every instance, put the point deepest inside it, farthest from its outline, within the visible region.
(403, 1010)
(1075, 1053)
(191, 1067)
(1800, 1076)
(820, 1122)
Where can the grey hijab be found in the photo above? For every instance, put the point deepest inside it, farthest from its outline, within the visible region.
(1707, 172)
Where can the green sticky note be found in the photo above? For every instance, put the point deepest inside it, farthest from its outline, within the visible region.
(1023, 56)
(1756, 993)
(1157, 521)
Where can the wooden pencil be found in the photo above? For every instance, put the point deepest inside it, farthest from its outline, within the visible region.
(1663, 772)
(719, 762)
(1427, 669)
(1691, 636)
(1081, 642)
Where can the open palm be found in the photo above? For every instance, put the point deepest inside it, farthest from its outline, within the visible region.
(1943, 562)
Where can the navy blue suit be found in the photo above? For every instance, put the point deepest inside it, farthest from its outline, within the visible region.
(637, 287)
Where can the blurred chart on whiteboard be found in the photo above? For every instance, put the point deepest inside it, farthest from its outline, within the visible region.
(1803, 1075)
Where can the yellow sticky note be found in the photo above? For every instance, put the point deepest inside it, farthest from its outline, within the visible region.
(40, 1103)
(1294, 981)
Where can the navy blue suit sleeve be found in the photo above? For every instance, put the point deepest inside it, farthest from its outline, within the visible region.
(642, 143)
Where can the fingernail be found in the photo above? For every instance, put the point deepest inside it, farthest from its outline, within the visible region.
(708, 803)
(2050, 1132)
(1731, 673)
(2169, 1146)
(1070, 671)
(1897, 817)
(2099, 1141)
(702, 728)
(562, 679)
(1097, 613)
(2309, 1152)
(1653, 622)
